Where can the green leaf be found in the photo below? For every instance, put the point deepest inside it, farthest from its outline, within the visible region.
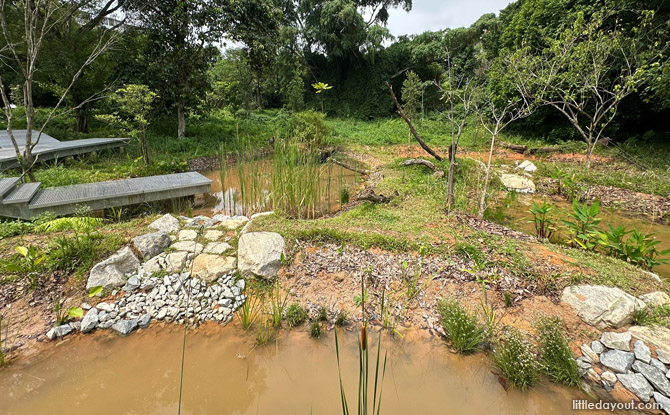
(95, 291)
(22, 250)
(74, 312)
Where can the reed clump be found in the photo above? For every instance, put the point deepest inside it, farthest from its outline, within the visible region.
(294, 181)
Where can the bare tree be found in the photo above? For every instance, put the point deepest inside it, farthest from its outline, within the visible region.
(494, 117)
(458, 92)
(401, 113)
(21, 52)
(585, 73)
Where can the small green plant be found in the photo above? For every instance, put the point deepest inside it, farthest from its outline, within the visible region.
(341, 318)
(295, 315)
(508, 298)
(63, 315)
(361, 298)
(515, 359)
(583, 229)
(543, 219)
(322, 314)
(345, 195)
(249, 310)
(556, 358)
(278, 300)
(463, 329)
(315, 329)
(27, 261)
(266, 332)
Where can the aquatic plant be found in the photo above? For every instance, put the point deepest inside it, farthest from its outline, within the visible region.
(543, 219)
(515, 359)
(278, 300)
(556, 357)
(639, 248)
(295, 315)
(363, 396)
(249, 310)
(462, 328)
(583, 229)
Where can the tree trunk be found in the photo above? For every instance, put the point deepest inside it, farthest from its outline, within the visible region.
(181, 121)
(589, 149)
(450, 176)
(482, 201)
(83, 118)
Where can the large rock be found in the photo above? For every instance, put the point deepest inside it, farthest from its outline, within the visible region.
(90, 320)
(151, 244)
(217, 248)
(232, 224)
(654, 376)
(600, 306)
(618, 361)
(187, 235)
(664, 401)
(655, 299)
(111, 272)
(516, 183)
(124, 327)
(642, 352)
(656, 336)
(187, 246)
(172, 262)
(637, 384)
(619, 341)
(60, 331)
(209, 267)
(166, 223)
(527, 166)
(260, 254)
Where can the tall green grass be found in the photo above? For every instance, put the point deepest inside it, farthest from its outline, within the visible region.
(294, 181)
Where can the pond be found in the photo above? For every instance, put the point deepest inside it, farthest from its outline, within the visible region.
(224, 373)
(515, 213)
(227, 197)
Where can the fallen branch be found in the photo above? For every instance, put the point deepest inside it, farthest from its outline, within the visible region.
(420, 162)
(348, 166)
(416, 135)
(369, 194)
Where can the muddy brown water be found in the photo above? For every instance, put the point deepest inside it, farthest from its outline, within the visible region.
(517, 216)
(104, 374)
(227, 199)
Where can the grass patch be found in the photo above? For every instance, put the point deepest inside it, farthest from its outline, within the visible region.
(557, 360)
(462, 328)
(295, 315)
(515, 359)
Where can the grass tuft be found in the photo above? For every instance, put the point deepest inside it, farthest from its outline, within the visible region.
(557, 360)
(514, 357)
(463, 329)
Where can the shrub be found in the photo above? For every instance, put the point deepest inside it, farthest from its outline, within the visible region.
(515, 359)
(462, 328)
(295, 315)
(557, 360)
(308, 126)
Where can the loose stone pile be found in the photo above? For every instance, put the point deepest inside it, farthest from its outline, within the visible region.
(612, 359)
(186, 272)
